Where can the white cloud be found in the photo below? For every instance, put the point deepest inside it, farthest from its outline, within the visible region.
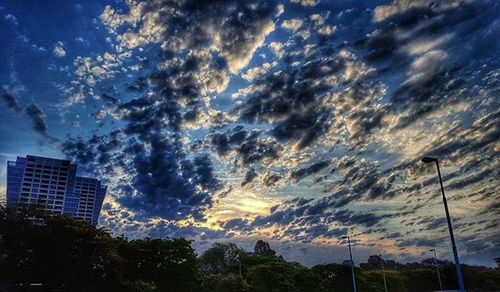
(240, 59)
(256, 72)
(309, 50)
(89, 71)
(242, 92)
(383, 12)
(397, 6)
(280, 9)
(292, 24)
(277, 49)
(114, 20)
(11, 18)
(305, 34)
(147, 23)
(59, 50)
(322, 28)
(305, 2)
(148, 32)
(354, 70)
(427, 66)
(327, 30)
(420, 46)
(318, 19)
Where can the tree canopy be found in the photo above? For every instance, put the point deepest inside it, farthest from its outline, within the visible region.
(60, 253)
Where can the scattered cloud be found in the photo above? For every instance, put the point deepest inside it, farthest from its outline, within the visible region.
(292, 24)
(305, 2)
(10, 101)
(37, 117)
(12, 19)
(59, 50)
(210, 122)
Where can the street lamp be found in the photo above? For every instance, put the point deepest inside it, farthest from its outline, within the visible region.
(239, 265)
(383, 273)
(437, 269)
(450, 228)
(352, 262)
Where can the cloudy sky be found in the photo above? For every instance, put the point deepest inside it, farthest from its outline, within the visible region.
(292, 121)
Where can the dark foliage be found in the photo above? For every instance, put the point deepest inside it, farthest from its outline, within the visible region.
(262, 248)
(62, 254)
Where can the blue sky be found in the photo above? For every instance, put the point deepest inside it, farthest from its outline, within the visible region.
(290, 121)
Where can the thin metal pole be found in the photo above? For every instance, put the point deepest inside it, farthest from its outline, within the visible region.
(383, 273)
(437, 269)
(450, 229)
(239, 267)
(352, 265)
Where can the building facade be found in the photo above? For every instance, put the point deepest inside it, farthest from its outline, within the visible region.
(52, 185)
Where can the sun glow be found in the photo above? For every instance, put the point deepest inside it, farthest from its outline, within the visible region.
(239, 203)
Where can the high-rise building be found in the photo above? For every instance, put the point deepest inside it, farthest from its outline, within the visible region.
(52, 185)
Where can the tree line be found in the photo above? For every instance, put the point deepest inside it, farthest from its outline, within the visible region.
(61, 254)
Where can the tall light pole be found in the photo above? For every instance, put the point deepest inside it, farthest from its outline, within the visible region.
(239, 265)
(352, 262)
(450, 228)
(383, 273)
(437, 269)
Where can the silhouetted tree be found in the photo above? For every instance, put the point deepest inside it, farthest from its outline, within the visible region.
(283, 276)
(57, 252)
(228, 282)
(220, 257)
(70, 255)
(338, 276)
(374, 262)
(166, 264)
(392, 264)
(262, 248)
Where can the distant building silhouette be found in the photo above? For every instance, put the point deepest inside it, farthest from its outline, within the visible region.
(51, 185)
